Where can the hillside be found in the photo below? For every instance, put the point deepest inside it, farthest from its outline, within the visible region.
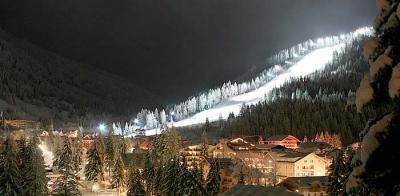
(216, 104)
(322, 102)
(38, 84)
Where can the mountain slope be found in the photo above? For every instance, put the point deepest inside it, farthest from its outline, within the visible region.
(299, 61)
(35, 83)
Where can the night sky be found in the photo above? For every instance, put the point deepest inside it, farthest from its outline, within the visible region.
(175, 48)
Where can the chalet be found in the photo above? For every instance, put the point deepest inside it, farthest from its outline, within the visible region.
(134, 160)
(226, 172)
(243, 190)
(193, 154)
(240, 144)
(295, 164)
(311, 185)
(87, 142)
(254, 159)
(70, 133)
(222, 150)
(287, 141)
(22, 124)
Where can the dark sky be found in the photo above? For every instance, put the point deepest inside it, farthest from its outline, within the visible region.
(175, 48)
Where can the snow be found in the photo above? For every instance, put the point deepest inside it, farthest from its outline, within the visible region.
(310, 56)
(365, 92)
(310, 63)
(394, 83)
(47, 154)
(370, 142)
(380, 63)
(370, 48)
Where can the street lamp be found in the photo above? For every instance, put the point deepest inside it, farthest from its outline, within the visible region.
(102, 127)
(95, 188)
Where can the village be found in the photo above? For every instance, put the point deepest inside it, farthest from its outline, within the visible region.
(280, 163)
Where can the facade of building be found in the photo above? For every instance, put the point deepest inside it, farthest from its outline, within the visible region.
(256, 164)
(193, 154)
(226, 172)
(293, 164)
(311, 185)
(287, 141)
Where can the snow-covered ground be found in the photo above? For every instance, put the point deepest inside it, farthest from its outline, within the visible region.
(305, 65)
(316, 60)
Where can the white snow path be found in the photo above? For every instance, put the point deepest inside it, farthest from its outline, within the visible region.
(315, 60)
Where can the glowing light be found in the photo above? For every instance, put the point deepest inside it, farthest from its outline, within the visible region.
(102, 127)
(95, 187)
(47, 154)
(310, 62)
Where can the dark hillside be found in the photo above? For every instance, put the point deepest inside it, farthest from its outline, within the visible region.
(35, 83)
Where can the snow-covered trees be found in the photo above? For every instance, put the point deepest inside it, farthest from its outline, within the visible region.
(334, 139)
(22, 172)
(118, 174)
(277, 64)
(135, 185)
(32, 167)
(110, 151)
(340, 170)
(379, 92)
(66, 184)
(10, 176)
(94, 167)
(213, 179)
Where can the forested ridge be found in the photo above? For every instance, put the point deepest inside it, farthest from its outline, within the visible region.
(321, 102)
(67, 89)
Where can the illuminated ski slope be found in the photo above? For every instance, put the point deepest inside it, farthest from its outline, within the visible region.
(315, 60)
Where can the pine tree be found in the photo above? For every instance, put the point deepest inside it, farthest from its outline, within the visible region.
(204, 144)
(77, 153)
(110, 151)
(35, 181)
(182, 176)
(213, 179)
(93, 168)
(338, 177)
(196, 182)
(10, 176)
(135, 186)
(148, 173)
(66, 184)
(118, 174)
(379, 91)
(101, 151)
(169, 178)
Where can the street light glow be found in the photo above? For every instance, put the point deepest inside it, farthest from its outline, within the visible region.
(102, 127)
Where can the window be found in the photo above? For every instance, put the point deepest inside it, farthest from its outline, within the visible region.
(305, 161)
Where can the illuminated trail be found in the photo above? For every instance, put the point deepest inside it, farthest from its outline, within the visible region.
(313, 61)
(310, 63)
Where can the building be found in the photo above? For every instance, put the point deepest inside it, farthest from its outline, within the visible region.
(222, 150)
(244, 190)
(87, 142)
(287, 141)
(311, 185)
(257, 165)
(193, 154)
(134, 160)
(226, 172)
(294, 164)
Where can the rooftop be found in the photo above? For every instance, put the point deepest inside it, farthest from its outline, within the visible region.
(305, 182)
(251, 190)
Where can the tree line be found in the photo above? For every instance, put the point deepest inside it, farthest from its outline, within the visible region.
(279, 63)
